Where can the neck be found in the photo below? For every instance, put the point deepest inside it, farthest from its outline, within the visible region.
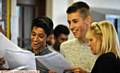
(36, 51)
(82, 40)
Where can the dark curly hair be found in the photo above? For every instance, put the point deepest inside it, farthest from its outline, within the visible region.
(43, 22)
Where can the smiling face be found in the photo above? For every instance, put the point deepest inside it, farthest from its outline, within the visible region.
(94, 42)
(77, 24)
(38, 39)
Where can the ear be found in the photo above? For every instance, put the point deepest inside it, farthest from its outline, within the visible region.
(88, 20)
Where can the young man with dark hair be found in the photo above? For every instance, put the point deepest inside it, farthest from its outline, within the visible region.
(40, 32)
(76, 50)
(61, 33)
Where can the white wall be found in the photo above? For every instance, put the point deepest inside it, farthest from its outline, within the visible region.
(110, 4)
(104, 6)
(56, 9)
(59, 12)
(97, 16)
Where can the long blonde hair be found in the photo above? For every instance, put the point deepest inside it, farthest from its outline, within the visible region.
(110, 41)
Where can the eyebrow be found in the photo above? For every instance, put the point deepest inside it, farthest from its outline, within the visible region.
(38, 33)
(74, 19)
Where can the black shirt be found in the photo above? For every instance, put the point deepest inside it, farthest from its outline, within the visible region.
(107, 63)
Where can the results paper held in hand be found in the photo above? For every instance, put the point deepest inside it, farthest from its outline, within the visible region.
(15, 56)
(54, 61)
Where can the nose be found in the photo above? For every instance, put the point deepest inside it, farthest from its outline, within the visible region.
(35, 38)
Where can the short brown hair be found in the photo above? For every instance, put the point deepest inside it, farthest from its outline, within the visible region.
(81, 6)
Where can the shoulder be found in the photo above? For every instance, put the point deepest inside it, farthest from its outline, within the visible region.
(109, 55)
(106, 63)
(65, 46)
(69, 42)
(107, 58)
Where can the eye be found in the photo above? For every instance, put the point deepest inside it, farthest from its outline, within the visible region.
(90, 40)
(75, 21)
(41, 36)
(33, 34)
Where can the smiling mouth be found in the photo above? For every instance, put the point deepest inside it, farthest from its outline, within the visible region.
(35, 45)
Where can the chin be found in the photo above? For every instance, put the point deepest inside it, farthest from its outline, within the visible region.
(77, 37)
(35, 48)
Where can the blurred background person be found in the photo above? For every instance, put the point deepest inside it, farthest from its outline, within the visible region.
(50, 40)
(61, 33)
(103, 41)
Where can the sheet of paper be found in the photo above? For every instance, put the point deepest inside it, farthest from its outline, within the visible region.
(15, 56)
(20, 58)
(54, 61)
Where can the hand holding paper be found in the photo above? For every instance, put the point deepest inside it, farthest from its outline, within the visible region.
(15, 56)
